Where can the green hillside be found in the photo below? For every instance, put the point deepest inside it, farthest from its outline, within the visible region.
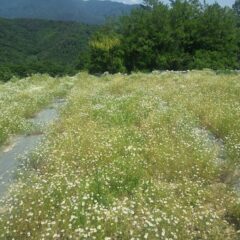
(28, 46)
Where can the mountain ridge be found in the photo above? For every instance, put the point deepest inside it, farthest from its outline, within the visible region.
(90, 12)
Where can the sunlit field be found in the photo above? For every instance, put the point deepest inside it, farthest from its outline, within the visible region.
(144, 156)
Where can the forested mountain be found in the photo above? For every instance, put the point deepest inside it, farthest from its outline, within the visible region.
(93, 11)
(28, 46)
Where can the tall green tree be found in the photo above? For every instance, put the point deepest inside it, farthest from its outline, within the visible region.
(136, 40)
(106, 54)
(236, 8)
(184, 19)
(217, 39)
(183, 35)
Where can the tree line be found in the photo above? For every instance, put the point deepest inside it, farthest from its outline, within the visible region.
(183, 35)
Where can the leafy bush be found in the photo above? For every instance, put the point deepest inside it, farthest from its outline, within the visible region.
(5, 74)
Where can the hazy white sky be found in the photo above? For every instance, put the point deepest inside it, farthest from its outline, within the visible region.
(222, 2)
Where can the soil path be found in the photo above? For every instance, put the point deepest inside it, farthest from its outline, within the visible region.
(218, 143)
(21, 145)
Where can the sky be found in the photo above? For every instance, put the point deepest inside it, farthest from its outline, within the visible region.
(221, 2)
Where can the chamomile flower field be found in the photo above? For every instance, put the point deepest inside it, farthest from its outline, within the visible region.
(140, 156)
(22, 99)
